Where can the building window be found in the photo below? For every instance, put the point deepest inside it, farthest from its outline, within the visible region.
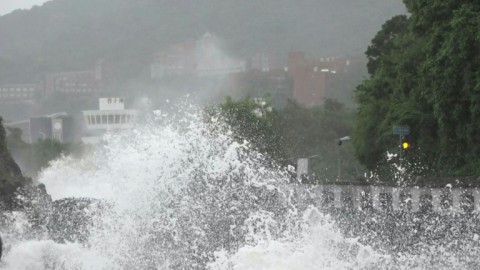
(98, 119)
(111, 119)
(104, 119)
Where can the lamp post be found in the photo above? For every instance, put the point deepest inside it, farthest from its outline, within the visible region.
(340, 142)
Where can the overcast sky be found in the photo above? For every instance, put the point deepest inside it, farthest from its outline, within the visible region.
(7, 6)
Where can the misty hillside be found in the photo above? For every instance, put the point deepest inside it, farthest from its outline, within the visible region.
(73, 34)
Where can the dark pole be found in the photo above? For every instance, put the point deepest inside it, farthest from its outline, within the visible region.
(400, 139)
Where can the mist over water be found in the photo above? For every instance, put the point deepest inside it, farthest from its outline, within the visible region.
(181, 193)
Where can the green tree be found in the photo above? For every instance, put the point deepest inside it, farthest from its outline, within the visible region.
(385, 41)
(315, 132)
(294, 132)
(254, 122)
(32, 158)
(424, 72)
(45, 151)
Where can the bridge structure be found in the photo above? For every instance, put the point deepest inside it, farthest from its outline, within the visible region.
(388, 198)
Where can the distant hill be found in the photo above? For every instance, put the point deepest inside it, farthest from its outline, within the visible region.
(73, 34)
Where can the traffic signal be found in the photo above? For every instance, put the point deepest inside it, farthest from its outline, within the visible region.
(405, 144)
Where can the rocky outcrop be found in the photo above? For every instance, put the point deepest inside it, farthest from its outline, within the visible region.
(11, 177)
(65, 220)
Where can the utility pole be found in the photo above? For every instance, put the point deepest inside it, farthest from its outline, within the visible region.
(402, 131)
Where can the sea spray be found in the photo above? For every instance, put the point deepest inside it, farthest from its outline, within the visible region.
(319, 245)
(177, 189)
(181, 193)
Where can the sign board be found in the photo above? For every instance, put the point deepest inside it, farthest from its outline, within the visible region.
(401, 130)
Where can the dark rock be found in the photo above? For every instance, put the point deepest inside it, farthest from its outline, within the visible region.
(72, 218)
(11, 177)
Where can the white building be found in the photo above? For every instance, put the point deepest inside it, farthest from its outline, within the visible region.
(111, 115)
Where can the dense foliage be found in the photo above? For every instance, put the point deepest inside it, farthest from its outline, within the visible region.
(32, 158)
(294, 132)
(425, 73)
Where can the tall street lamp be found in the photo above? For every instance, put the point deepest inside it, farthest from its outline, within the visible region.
(340, 142)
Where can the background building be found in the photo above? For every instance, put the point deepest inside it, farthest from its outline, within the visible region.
(20, 92)
(203, 57)
(59, 126)
(86, 82)
(310, 77)
(178, 60)
(264, 61)
(111, 116)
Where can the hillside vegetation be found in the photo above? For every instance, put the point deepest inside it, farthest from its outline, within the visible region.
(424, 73)
(73, 34)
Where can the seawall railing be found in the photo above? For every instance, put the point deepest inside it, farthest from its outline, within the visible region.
(387, 198)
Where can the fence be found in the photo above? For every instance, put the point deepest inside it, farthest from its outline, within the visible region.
(384, 198)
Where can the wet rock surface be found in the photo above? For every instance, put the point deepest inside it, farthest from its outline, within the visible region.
(11, 177)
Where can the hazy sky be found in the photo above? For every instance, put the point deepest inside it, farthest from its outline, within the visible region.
(7, 6)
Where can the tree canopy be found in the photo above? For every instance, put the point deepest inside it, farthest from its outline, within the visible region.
(294, 132)
(424, 73)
